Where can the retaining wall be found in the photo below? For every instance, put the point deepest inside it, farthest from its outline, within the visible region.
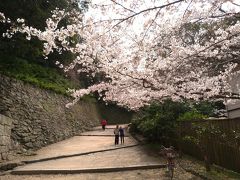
(39, 117)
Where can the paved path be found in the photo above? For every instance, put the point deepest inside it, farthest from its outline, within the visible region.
(67, 159)
(82, 144)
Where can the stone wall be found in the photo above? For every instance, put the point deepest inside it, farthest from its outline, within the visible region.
(5, 136)
(40, 116)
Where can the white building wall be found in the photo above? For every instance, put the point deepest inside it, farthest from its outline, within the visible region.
(233, 108)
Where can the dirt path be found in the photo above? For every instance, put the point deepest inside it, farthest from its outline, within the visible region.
(110, 157)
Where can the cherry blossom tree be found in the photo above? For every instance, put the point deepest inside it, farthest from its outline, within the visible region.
(147, 50)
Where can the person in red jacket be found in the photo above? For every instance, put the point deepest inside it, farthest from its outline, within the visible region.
(103, 123)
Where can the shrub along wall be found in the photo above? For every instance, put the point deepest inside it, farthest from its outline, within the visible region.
(40, 116)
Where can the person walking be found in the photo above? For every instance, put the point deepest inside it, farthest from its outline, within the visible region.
(104, 123)
(121, 133)
(116, 133)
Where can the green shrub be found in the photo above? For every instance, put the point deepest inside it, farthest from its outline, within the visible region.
(158, 121)
(191, 115)
(36, 74)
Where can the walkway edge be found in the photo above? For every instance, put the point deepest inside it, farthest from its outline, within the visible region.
(99, 135)
(88, 170)
(79, 154)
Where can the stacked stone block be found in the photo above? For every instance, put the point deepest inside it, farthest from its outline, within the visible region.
(5, 137)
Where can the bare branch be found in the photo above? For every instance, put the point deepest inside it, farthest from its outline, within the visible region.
(223, 11)
(212, 45)
(217, 16)
(123, 6)
(235, 4)
(187, 8)
(145, 10)
(151, 24)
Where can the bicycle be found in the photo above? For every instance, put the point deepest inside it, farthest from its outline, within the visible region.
(170, 154)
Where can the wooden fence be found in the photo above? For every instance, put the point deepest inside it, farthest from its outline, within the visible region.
(222, 153)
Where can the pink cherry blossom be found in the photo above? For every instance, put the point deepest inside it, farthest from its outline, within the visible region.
(145, 50)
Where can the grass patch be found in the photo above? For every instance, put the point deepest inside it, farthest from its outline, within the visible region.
(216, 173)
(189, 162)
(43, 77)
(220, 171)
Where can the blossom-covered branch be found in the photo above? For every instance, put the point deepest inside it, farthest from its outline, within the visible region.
(148, 50)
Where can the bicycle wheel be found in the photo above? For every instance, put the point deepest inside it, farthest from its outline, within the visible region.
(171, 171)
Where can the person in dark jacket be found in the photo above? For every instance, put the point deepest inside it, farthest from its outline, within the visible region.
(121, 133)
(116, 133)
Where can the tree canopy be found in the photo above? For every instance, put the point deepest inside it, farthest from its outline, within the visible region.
(35, 14)
(147, 50)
